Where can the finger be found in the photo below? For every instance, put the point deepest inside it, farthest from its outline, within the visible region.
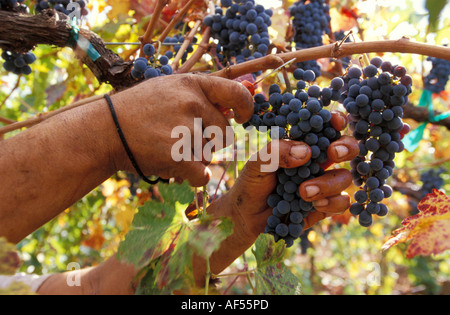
(215, 129)
(330, 184)
(339, 120)
(255, 179)
(333, 205)
(337, 205)
(196, 173)
(229, 94)
(344, 149)
(313, 218)
(278, 154)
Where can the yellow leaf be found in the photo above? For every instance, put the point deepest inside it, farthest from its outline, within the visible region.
(124, 217)
(118, 7)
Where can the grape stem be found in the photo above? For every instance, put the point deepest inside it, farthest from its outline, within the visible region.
(187, 41)
(175, 20)
(241, 273)
(9, 95)
(147, 38)
(202, 48)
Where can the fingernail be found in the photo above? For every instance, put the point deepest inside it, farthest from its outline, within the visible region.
(342, 120)
(341, 151)
(299, 151)
(312, 190)
(321, 203)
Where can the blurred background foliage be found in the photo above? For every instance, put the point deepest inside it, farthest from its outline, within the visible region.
(337, 256)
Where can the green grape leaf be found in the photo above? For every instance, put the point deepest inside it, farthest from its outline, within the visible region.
(208, 234)
(162, 241)
(175, 193)
(155, 225)
(268, 252)
(271, 275)
(173, 269)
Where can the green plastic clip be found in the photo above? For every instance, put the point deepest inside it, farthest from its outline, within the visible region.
(77, 39)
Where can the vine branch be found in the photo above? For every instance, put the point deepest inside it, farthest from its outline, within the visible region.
(177, 18)
(403, 45)
(421, 114)
(202, 48)
(187, 41)
(22, 32)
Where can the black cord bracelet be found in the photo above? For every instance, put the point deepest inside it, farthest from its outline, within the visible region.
(127, 148)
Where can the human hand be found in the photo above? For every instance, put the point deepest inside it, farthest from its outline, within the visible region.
(149, 112)
(252, 188)
(246, 202)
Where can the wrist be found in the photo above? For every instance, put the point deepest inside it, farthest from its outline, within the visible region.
(228, 207)
(102, 142)
(232, 247)
(130, 107)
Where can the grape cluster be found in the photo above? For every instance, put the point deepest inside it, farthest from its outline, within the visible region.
(432, 179)
(9, 4)
(153, 66)
(310, 22)
(241, 28)
(18, 63)
(60, 6)
(374, 98)
(437, 79)
(299, 116)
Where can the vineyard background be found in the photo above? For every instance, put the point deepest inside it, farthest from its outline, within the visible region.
(337, 256)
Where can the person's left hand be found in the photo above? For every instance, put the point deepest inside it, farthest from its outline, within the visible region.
(252, 188)
(246, 202)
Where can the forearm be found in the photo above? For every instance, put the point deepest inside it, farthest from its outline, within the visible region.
(110, 277)
(47, 168)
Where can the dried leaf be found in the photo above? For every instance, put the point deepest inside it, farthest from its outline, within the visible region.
(429, 231)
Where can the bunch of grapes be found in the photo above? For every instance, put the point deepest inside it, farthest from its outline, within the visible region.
(241, 27)
(60, 6)
(299, 116)
(10, 4)
(437, 79)
(374, 98)
(310, 22)
(432, 179)
(18, 63)
(153, 66)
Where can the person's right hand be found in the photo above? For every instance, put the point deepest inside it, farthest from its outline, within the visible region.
(150, 111)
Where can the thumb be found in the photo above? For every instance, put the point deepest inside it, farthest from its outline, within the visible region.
(258, 175)
(253, 186)
(227, 94)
